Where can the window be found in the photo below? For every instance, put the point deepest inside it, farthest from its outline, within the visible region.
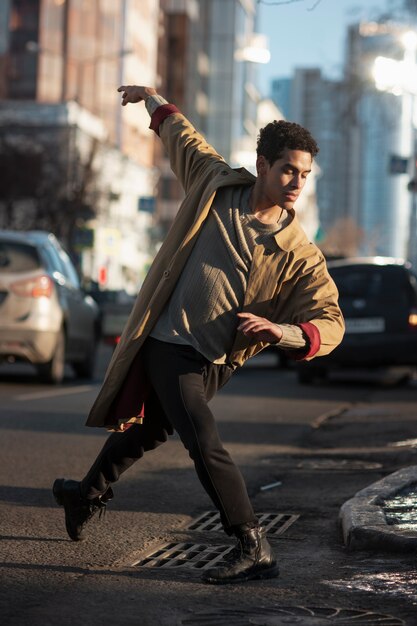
(24, 27)
(68, 269)
(18, 257)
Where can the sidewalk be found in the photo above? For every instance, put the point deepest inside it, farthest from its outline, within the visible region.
(383, 516)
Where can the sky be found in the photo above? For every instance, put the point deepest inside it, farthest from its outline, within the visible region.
(310, 33)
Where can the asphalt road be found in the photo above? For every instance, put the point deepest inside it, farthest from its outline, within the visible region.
(303, 450)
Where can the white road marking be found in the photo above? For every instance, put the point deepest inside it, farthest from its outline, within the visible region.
(38, 395)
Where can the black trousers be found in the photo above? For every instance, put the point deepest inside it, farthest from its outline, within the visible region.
(183, 382)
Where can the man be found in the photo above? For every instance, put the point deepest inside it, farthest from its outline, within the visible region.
(235, 273)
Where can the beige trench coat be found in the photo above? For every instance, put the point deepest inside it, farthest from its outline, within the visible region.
(287, 283)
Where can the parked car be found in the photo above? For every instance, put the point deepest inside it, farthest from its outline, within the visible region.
(115, 307)
(378, 298)
(45, 317)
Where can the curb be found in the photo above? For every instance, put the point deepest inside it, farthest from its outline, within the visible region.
(363, 520)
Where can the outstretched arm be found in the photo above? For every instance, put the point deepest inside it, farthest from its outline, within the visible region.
(188, 151)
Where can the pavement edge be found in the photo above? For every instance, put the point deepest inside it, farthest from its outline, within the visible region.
(363, 521)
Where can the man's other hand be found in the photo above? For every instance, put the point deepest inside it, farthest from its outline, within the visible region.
(259, 328)
(135, 93)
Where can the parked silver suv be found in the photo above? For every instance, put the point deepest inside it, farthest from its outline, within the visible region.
(45, 318)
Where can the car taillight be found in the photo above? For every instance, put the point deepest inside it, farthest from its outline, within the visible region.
(33, 287)
(412, 318)
(112, 340)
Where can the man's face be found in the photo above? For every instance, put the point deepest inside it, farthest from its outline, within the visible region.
(283, 181)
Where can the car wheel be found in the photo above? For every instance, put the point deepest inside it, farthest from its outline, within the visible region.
(308, 375)
(86, 367)
(304, 377)
(53, 371)
(282, 360)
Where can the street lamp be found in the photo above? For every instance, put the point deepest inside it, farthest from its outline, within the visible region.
(254, 50)
(400, 79)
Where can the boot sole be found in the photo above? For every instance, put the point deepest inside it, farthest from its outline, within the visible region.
(57, 489)
(272, 572)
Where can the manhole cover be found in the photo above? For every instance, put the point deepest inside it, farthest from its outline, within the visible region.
(185, 555)
(337, 464)
(273, 523)
(280, 616)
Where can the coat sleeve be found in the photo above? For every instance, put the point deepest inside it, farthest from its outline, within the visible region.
(189, 153)
(316, 309)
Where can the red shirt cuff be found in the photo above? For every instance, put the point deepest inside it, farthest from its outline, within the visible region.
(162, 112)
(314, 342)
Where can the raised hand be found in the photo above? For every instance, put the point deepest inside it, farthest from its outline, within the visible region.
(135, 93)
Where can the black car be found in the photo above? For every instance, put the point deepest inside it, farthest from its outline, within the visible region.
(378, 298)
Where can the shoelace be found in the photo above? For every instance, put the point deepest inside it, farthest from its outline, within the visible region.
(103, 510)
(102, 506)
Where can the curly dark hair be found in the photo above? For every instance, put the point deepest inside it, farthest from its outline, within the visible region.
(276, 136)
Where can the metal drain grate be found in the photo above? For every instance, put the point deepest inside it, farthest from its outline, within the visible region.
(185, 555)
(273, 523)
(290, 615)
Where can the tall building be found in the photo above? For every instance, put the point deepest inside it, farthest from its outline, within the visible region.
(60, 64)
(313, 101)
(318, 104)
(381, 152)
(180, 80)
(232, 81)
(281, 94)
(204, 69)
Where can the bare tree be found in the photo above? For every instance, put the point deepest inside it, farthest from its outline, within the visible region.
(281, 2)
(45, 183)
(344, 239)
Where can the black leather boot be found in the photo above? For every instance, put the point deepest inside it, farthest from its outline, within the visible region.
(251, 559)
(78, 510)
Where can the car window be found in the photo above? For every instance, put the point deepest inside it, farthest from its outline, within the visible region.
(382, 283)
(18, 257)
(52, 259)
(358, 284)
(65, 263)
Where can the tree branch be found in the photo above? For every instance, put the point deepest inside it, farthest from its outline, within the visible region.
(281, 2)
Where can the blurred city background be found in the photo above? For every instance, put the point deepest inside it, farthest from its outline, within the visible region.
(87, 197)
(74, 163)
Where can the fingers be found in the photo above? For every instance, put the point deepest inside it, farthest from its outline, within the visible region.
(254, 324)
(125, 100)
(259, 328)
(130, 94)
(249, 319)
(254, 327)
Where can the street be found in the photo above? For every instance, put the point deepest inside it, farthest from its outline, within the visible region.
(304, 450)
